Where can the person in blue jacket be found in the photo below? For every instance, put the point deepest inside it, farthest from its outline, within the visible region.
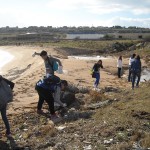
(46, 88)
(136, 71)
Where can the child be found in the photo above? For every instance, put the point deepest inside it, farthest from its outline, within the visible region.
(96, 72)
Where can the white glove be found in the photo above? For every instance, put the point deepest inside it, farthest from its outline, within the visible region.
(64, 105)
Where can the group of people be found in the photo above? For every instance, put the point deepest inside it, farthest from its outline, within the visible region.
(49, 88)
(134, 69)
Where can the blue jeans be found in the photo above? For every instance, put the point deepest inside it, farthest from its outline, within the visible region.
(4, 117)
(97, 76)
(134, 75)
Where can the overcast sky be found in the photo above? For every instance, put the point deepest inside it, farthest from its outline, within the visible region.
(24, 13)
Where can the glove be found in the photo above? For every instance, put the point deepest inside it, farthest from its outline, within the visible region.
(64, 105)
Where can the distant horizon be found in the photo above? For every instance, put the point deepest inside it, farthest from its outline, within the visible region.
(74, 26)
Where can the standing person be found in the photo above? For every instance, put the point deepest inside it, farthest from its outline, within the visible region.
(5, 97)
(96, 72)
(131, 59)
(119, 66)
(50, 62)
(136, 71)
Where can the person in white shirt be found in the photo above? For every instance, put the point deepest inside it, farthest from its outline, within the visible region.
(131, 59)
(119, 66)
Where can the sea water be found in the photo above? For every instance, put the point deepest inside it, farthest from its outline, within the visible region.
(89, 57)
(5, 57)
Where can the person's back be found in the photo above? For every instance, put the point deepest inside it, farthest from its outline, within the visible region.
(136, 71)
(136, 65)
(51, 63)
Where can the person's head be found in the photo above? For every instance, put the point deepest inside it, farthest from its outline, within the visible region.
(120, 58)
(99, 62)
(64, 85)
(43, 54)
(133, 56)
(138, 57)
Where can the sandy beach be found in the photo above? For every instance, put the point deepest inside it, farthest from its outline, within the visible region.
(26, 70)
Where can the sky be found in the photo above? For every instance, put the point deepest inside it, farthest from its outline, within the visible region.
(57, 13)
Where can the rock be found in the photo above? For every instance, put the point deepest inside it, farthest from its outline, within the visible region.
(111, 89)
(73, 115)
(86, 142)
(68, 98)
(108, 141)
(83, 89)
(60, 128)
(89, 147)
(72, 88)
(98, 105)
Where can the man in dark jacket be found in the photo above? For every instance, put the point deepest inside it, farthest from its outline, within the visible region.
(46, 88)
(136, 71)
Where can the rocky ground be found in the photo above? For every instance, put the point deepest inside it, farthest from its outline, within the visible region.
(96, 125)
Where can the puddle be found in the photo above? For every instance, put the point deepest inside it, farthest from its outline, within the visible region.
(145, 75)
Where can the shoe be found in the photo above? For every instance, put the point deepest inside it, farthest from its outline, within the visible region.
(8, 135)
(40, 112)
(137, 86)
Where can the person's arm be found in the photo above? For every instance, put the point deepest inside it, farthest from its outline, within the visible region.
(57, 96)
(94, 67)
(35, 53)
(140, 66)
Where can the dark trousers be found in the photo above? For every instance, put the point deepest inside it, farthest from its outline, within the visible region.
(11, 84)
(119, 72)
(45, 95)
(134, 75)
(4, 117)
(130, 73)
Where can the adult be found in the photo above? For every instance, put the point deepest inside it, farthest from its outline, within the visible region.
(5, 97)
(96, 72)
(131, 59)
(136, 71)
(46, 88)
(49, 61)
(119, 66)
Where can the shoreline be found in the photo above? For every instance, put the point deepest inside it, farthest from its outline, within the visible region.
(5, 58)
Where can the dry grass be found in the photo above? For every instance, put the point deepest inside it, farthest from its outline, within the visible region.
(145, 142)
(95, 96)
(130, 113)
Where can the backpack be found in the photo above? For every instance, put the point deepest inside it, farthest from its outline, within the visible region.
(6, 95)
(54, 65)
